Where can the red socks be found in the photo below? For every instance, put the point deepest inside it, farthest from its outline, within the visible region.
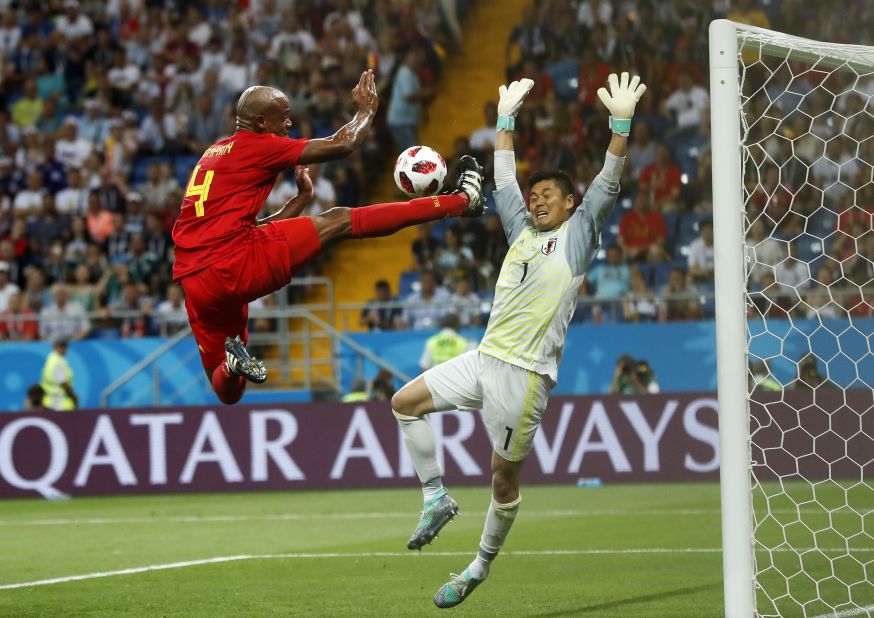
(386, 219)
(228, 387)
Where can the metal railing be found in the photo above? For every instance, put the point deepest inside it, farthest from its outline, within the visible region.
(284, 337)
(607, 309)
(592, 309)
(309, 346)
(350, 313)
(150, 361)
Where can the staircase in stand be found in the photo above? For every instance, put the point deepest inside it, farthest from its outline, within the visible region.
(469, 80)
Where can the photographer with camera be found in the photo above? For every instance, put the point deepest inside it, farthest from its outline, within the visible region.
(633, 377)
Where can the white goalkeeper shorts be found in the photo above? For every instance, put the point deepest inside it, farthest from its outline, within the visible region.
(512, 399)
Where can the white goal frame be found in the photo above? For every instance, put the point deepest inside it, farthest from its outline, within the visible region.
(731, 368)
(731, 323)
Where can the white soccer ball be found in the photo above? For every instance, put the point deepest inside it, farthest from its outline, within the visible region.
(419, 171)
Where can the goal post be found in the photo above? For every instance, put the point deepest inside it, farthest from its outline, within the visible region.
(734, 432)
(792, 135)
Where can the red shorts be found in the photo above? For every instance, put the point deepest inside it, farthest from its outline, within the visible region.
(217, 298)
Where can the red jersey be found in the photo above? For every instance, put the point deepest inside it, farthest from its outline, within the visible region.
(639, 231)
(662, 181)
(225, 192)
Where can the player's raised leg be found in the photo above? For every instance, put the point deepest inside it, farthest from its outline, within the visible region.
(502, 512)
(447, 386)
(219, 326)
(409, 406)
(514, 401)
(466, 200)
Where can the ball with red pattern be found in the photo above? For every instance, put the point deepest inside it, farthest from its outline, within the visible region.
(419, 171)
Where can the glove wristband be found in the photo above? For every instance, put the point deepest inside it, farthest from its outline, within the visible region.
(507, 122)
(620, 126)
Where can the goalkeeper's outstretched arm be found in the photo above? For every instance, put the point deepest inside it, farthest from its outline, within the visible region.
(590, 218)
(510, 100)
(505, 159)
(620, 100)
(509, 202)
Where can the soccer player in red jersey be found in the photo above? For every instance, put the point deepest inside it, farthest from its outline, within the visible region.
(225, 258)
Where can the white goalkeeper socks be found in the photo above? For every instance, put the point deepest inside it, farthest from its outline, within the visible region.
(499, 520)
(422, 447)
(432, 489)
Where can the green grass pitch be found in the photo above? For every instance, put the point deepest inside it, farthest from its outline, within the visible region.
(621, 550)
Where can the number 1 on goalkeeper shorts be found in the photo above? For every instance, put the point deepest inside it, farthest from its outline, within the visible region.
(200, 190)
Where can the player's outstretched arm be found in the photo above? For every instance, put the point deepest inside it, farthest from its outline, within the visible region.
(600, 198)
(510, 101)
(351, 135)
(293, 207)
(509, 202)
(621, 101)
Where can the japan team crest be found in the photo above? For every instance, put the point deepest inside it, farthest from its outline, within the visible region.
(549, 246)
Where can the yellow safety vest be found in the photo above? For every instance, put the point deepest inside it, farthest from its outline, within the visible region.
(55, 397)
(446, 345)
(354, 396)
(769, 384)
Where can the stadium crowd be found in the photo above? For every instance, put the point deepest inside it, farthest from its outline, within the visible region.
(107, 105)
(658, 263)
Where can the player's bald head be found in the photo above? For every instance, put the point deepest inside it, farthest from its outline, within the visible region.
(259, 101)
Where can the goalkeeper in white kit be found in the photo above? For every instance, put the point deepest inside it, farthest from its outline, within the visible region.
(512, 372)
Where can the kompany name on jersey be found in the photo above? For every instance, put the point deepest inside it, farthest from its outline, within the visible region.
(217, 151)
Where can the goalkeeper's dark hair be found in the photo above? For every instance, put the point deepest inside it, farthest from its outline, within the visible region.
(561, 179)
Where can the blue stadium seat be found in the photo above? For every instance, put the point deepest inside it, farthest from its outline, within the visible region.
(661, 274)
(182, 167)
(622, 206)
(671, 222)
(407, 283)
(822, 222)
(565, 75)
(487, 300)
(139, 172)
(583, 313)
(687, 228)
(609, 234)
(647, 271)
(708, 305)
(599, 259)
(439, 228)
(809, 247)
(686, 153)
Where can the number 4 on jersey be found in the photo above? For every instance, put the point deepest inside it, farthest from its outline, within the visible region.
(200, 190)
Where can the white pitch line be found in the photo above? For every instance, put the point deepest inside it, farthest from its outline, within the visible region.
(375, 554)
(382, 554)
(99, 521)
(858, 611)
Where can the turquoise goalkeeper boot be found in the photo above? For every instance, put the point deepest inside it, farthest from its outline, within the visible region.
(456, 590)
(436, 514)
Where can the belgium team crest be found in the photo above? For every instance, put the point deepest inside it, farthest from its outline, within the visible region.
(549, 246)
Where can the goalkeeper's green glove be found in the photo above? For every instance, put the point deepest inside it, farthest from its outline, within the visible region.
(511, 98)
(621, 101)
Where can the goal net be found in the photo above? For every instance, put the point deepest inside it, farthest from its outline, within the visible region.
(794, 226)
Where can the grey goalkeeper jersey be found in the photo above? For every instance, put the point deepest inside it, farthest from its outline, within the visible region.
(540, 278)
